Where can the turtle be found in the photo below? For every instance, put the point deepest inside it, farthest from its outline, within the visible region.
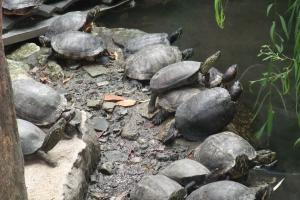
(231, 156)
(146, 62)
(75, 21)
(39, 103)
(194, 117)
(20, 7)
(230, 190)
(169, 102)
(187, 173)
(135, 44)
(78, 45)
(36, 143)
(177, 75)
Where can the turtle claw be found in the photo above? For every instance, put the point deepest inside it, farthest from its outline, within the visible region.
(160, 117)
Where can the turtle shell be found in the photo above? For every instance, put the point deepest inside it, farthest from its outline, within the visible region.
(36, 102)
(172, 100)
(225, 190)
(31, 137)
(77, 45)
(184, 171)
(71, 21)
(138, 43)
(20, 4)
(146, 62)
(174, 76)
(220, 150)
(205, 113)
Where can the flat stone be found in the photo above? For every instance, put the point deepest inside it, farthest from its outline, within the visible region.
(92, 103)
(24, 52)
(184, 171)
(107, 168)
(108, 106)
(95, 70)
(130, 130)
(157, 187)
(115, 156)
(68, 181)
(17, 70)
(100, 124)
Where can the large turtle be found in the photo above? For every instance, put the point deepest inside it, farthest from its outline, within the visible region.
(134, 45)
(146, 62)
(39, 103)
(170, 101)
(177, 75)
(230, 190)
(229, 155)
(75, 21)
(19, 7)
(205, 113)
(78, 45)
(35, 142)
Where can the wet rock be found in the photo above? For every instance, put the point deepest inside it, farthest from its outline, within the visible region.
(17, 70)
(107, 168)
(95, 70)
(24, 52)
(184, 171)
(100, 124)
(157, 187)
(108, 106)
(92, 103)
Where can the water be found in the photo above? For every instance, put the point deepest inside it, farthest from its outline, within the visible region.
(246, 29)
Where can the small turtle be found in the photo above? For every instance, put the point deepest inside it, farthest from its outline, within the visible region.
(75, 21)
(177, 75)
(134, 45)
(229, 155)
(39, 103)
(35, 142)
(187, 173)
(78, 45)
(146, 62)
(20, 7)
(230, 190)
(194, 117)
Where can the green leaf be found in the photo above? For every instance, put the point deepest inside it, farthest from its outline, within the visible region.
(270, 120)
(272, 31)
(297, 143)
(284, 27)
(260, 132)
(270, 6)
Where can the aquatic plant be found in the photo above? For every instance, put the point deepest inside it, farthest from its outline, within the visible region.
(219, 12)
(282, 77)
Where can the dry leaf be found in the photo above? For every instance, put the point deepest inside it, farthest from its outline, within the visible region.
(113, 98)
(126, 103)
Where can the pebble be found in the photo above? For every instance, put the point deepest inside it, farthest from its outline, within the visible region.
(107, 168)
(92, 103)
(100, 124)
(129, 134)
(162, 157)
(95, 70)
(108, 106)
(103, 83)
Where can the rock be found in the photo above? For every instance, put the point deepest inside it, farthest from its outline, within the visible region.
(108, 106)
(115, 156)
(143, 111)
(55, 70)
(18, 70)
(184, 171)
(107, 168)
(157, 187)
(92, 103)
(136, 159)
(24, 52)
(130, 130)
(100, 124)
(95, 70)
(162, 157)
(103, 83)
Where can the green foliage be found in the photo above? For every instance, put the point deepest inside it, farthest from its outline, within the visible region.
(219, 12)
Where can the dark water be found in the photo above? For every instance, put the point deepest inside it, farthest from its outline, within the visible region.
(246, 29)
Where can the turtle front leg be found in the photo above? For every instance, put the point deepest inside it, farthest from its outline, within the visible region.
(160, 117)
(152, 102)
(171, 135)
(43, 156)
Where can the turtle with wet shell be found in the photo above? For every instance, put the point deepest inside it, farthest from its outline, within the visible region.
(36, 143)
(20, 7)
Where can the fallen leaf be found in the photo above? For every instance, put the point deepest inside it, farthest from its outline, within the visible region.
(126, 103)
(113, 98)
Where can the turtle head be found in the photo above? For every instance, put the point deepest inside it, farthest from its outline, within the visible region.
(175, 35)
(209, 62)
(241, 167)
(230, 74)
(262, 191)
(45, 41)
(93, 13)
(265, 157)
(187, 53)
(236, 90)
